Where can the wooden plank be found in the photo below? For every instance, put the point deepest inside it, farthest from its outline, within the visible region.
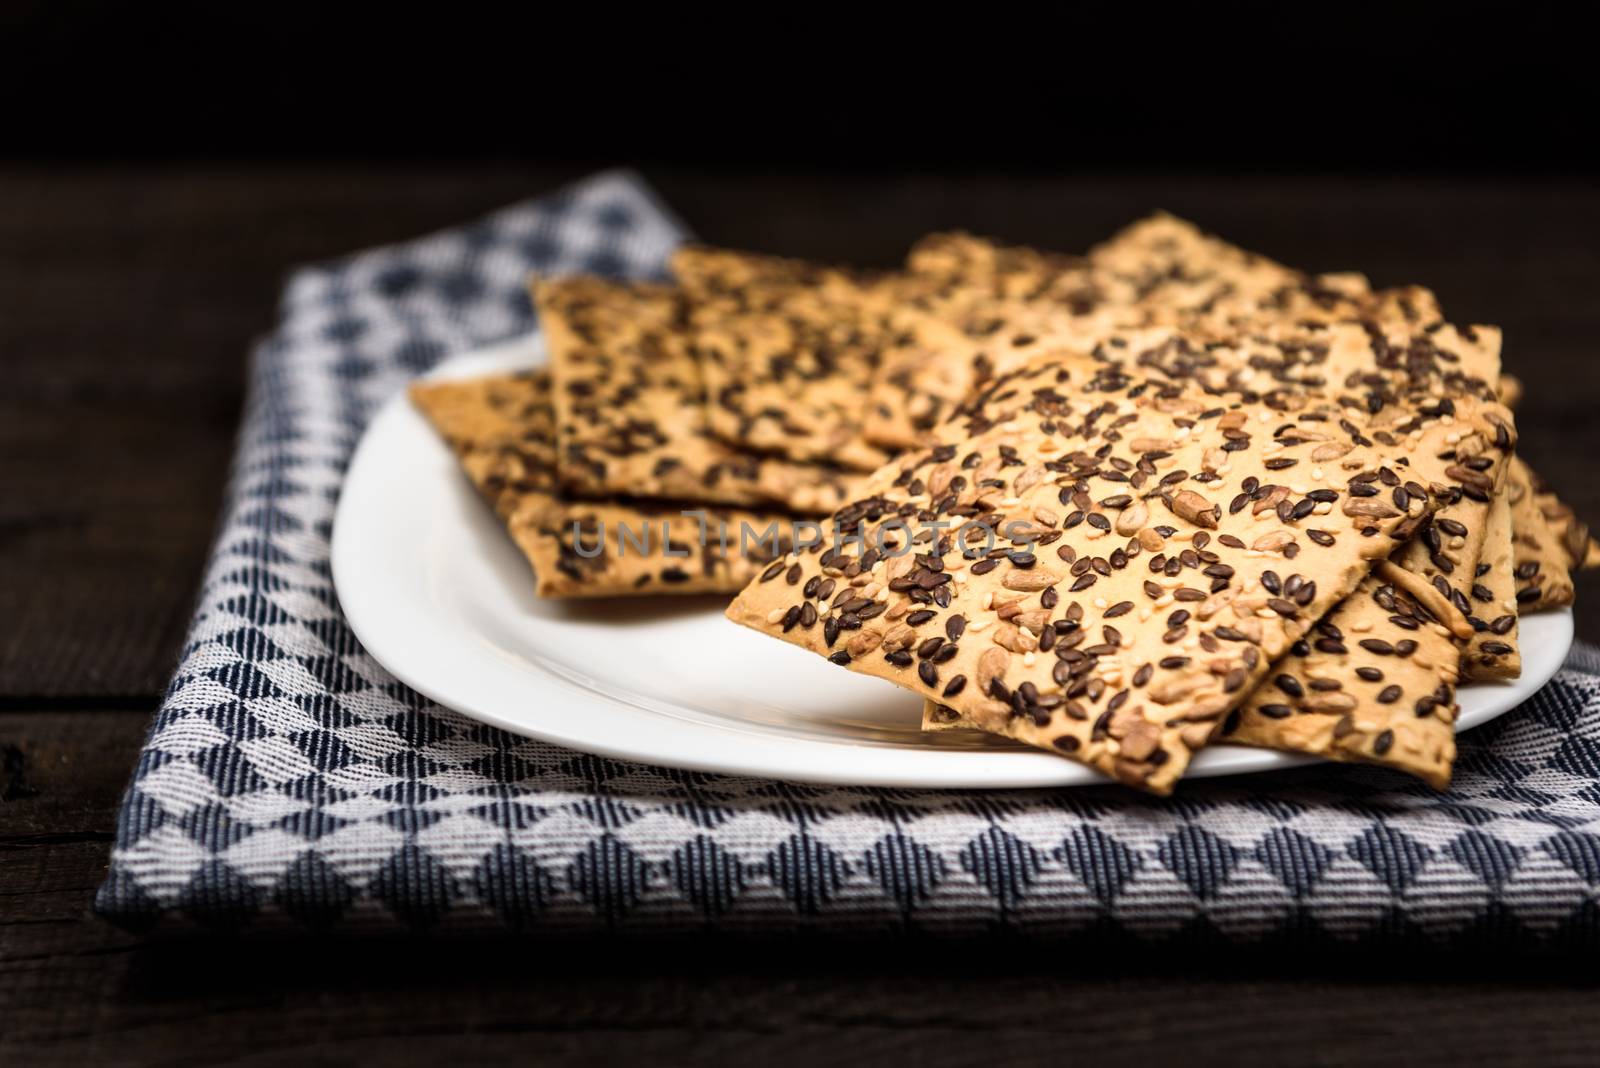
(394, 1006)
(61, 776)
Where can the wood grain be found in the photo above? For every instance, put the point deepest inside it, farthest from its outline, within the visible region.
(131, 297)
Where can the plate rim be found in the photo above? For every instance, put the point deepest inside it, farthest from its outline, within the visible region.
(370, 610)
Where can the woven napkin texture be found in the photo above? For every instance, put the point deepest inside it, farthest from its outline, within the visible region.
(288, 779)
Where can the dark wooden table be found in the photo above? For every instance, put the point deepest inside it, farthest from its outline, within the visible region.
(127, 301)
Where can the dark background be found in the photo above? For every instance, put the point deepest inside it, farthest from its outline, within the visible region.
(1170, 89)
(161, 168)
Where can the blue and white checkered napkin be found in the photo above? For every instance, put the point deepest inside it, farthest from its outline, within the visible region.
(288, 778)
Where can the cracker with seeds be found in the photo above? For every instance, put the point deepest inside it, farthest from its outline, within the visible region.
(502, 430)
(1583, 552)
(1360, 364)
(1374, 680)
(1375, 368)
(981, 308)
(1119, 612)
(1163, 254)
(1542, 575)
(998, 307)
(787, 352)
(1449, 371)
(1493, 652)
(939, 359)
(954, 273)
(1448, 551)
(959, 266)
(1422, 600)
(1172, 264)
(630, 405)
(754, 281)
(1373, 683)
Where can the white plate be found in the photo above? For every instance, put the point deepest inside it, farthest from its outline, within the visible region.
(438, 594)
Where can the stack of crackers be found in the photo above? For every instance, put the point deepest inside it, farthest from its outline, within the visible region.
(1117, 506)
